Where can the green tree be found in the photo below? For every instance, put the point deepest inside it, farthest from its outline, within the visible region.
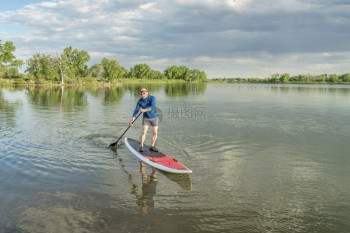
(157, 74)
(42, 67)
(320, 78)
(72, 63)
(9, 65)
(284, 78)
(75, 62)
(80, 58)
(178, 72)
(112, 70)
(274, 78)
(140, 71)
(198, 75)
(345, 77)
(6, 52)
(96, 71)
(333, 78)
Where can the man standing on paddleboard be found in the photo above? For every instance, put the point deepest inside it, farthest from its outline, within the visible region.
(147, 105)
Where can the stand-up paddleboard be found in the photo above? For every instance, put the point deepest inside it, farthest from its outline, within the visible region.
(157, 160)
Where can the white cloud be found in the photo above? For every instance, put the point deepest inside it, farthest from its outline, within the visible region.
(218, 5)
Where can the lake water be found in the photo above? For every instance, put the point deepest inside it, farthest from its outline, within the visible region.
(265, 158)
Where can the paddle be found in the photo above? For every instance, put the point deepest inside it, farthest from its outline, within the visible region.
(115, 143)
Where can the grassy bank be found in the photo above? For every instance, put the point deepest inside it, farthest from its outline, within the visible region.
(291, 79)
(86, 82)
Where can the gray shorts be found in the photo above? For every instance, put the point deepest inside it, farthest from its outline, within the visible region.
(150, 121)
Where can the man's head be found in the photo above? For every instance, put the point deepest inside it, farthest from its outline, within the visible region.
(143, 92)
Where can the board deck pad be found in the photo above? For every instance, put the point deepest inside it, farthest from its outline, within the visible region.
(158, 159)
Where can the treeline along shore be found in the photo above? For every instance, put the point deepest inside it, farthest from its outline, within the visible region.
(69, 67)
(292, 79)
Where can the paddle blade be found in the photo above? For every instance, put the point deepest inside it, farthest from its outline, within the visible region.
(113, 144)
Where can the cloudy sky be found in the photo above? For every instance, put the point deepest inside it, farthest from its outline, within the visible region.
(225, 38)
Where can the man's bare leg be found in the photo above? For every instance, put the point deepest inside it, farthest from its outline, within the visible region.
(155, 135)
(143, 134)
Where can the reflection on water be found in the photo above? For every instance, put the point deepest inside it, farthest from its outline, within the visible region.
(183, 180)
(312, 89)
(149, 184)
(184, 89)
(265, 158)
(68, 97)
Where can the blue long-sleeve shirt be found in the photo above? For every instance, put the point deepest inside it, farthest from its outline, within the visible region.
(150, 101)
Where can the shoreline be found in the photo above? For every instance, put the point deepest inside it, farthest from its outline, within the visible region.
(117, 83)
(87, 83)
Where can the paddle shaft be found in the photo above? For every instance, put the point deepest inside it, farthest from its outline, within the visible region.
(115, 143)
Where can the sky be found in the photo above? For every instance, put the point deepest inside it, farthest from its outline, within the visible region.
(224, 38)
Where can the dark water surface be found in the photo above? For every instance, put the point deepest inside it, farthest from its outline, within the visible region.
(265, 158)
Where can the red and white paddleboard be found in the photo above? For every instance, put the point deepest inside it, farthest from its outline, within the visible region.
(157, 160)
